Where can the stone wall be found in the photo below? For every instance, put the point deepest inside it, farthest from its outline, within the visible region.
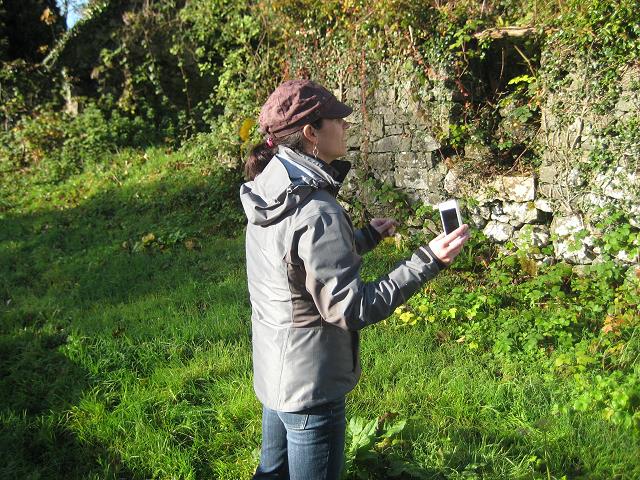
(395, 137)
(582, 190)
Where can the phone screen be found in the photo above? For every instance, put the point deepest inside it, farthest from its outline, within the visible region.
(449, 220)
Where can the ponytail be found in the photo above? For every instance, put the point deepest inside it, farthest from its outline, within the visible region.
(263, 152)
(258, 159)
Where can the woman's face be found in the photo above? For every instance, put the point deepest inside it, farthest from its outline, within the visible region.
(331, 139)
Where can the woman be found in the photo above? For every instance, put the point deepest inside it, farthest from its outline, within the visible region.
(303, 265)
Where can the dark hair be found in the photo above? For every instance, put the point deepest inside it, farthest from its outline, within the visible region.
(261, 154)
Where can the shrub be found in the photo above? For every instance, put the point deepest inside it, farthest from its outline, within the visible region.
(56, 145)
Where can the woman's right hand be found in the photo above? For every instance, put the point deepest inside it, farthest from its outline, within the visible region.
(447, 247)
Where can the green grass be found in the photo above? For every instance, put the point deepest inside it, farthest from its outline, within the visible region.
(126, 359)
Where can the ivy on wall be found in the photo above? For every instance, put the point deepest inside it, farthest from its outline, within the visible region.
(206, 66)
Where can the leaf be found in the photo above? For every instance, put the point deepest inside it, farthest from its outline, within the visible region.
(148, 238)
(362, 435)
(582, 359)
(562, 359)
(402, 468)
(191, 244)
(245, 129)
(521, 79)
(384, 444)
(394, 429)
(612, 324)
(48, 16)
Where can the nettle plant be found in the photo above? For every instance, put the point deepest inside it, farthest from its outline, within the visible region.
(375, 449)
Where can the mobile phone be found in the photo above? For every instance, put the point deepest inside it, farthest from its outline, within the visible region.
(450, 215)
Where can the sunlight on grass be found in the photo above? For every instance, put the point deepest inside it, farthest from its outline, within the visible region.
(126, 359)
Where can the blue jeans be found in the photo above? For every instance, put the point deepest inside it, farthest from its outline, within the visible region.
(305, 445)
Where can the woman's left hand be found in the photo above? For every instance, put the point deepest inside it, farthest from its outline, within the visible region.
(386, 227)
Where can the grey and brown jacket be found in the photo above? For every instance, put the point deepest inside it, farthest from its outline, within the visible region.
(308, 300)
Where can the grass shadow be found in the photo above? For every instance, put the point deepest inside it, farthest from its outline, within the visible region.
(89, 309)
(55, 261)
(38, 385)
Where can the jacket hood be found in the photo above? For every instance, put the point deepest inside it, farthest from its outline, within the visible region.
(288, 179)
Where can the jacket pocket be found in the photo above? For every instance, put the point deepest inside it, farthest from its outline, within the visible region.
(317, 366)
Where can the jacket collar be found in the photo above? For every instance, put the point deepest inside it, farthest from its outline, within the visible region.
(318, 172)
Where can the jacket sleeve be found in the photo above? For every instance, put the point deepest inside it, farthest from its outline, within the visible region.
(366, 239)
(325, 247)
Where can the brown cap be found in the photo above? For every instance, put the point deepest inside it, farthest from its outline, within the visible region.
(296, 103)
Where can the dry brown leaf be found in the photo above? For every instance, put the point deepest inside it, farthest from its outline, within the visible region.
(48, 16)
(612, 324)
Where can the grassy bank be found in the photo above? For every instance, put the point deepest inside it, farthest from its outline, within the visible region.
(125, 350)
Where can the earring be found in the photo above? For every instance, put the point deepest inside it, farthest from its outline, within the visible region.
(315, 151)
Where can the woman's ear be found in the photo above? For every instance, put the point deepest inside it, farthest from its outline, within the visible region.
(309, 134)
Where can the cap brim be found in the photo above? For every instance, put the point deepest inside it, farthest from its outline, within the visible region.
(335, 109)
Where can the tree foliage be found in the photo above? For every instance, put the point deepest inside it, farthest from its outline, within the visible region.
(29, 28)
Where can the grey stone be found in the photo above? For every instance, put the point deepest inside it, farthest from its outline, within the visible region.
(479, 215)
(376, 127)
(498, 214)
(543, 205)
(415, 178)
(616, 183)
(550, 191)
(423, 160)
(575, 179)
(566, 246)
(439, 171)
(451, 182)
(393, 143)
(536, 236)
(573, 252)
(498, 231)
(563, 226)
(404, 118)
(423, 142)
(390, 116)
(596, 207)
(516, 188)
(482, 210)
(627, 103)
(354, 138)
(430, 197)
(542, 259)
(634, 215)
(381, 162)
(393, 129)
(385, 176)
(521, 213)
(426, 183)
(574, 133)
(352, 95)
(625, 257)
(385, 96)
(403, 104)
(548, 174)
